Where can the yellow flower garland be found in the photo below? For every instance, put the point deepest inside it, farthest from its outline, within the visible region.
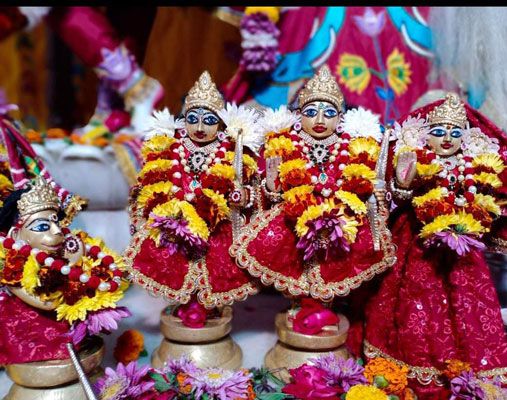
(488, 203)
(487, 178)
(359, 171)
(147, 192)
(155, 165)
(30, 279)
(428, 170)
(365, 392)
(156, 144)
(288, 166)
(223, 170)
(433, 194)
(351, 200)
(445, 222)
(493, 161)
(291, 195)
(364, 145)
(278, 146)
(223, 209)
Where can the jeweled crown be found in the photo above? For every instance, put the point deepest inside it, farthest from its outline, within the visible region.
(322, 86)
(451, 111)
(40, 197)
(205, 94)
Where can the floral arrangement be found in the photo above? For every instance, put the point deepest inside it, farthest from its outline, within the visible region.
(129, 346)
(84, 294)
(183, 205)
(259, 39)
(457, 204)
(328, 205)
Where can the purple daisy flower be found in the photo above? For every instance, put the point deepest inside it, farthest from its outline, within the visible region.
(343, 373)
(219, 383)
(126, 382)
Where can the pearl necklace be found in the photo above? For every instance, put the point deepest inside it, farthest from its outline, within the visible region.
(200, 158)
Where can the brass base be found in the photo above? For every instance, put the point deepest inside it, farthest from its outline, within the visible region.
(54, 379)
(294, 349)
(209, 346)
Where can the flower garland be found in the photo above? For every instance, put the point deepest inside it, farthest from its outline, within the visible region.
(458, 206)
(93, 284)
(326, 183)
(184, 189)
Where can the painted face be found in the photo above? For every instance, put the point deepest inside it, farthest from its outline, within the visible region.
(201, 125)
(445, 140)
(41, 230)
(319, 119)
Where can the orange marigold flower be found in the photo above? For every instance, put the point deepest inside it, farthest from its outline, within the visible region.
(394, 374)
(33, 136)
(455, 368)
(56, 133)
(184, 389)
(75, 138)
(129, 346)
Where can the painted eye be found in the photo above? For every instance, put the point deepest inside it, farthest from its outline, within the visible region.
(210, 120)
(192, 119)
(456, 133)
(438, 132)
(310, 112)
(330, 113)
(40, 227)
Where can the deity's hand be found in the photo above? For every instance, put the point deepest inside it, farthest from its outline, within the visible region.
(406, 169)
(73, 249)
(272, 165)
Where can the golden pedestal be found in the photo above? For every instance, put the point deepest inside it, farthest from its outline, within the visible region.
(209, 346)
(294, 349)
(55, 379)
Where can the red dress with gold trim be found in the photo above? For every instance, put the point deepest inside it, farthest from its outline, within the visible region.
(182, 222)
(318, 241)
(435, 305)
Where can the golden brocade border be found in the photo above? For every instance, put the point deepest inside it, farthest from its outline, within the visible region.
(427, 375)
(196, 280)
(310, 282)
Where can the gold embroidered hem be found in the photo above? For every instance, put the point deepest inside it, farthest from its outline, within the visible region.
(427, 375)
(196, 281)
(310, 282)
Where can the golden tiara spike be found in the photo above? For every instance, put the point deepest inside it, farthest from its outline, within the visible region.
(205, 94)
(40, 197)
(322, 86)
(451, 111)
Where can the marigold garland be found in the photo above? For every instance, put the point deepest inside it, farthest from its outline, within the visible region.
(466, 223)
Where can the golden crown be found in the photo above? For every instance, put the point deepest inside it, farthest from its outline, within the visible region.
(205, 94)
(40, 197)
(322, 86)
(451, 111)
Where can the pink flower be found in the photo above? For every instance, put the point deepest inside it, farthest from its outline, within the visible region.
(219, 383)
(5, 107)
(116, 120)
(343, 373)
(192, 315)
(466, 387)
(310, 383)
(126, 382)
(371, 23)
(312, 317)
(461, 244)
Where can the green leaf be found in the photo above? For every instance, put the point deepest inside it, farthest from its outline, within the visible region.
(273, 396)
(143, 353)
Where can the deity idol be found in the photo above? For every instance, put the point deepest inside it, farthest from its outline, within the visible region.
(323, 233)
(189, 189)
(437, 308)
(57, 286)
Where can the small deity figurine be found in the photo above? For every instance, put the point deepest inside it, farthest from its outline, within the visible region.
(437, 308)
(56, 286)
(323, 233)
(182, 207)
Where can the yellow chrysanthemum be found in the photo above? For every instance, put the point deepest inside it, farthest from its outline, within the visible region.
(220, 201)
(155, 165)
(78, 310)
(493, 161)
(225, 171)
(398, 72)
(365, 392)
(359, 171)
(288, 166)
(30, 279)
(433, 194)
(425, 170)
(364, 145)
(467, 223)
(5, 183)
(290, 195)
(487, 178)
(156, 144)
(351, 200)
(353, 72)
(147, 192)
(278, 146)
(273, 13)
(248, 161)
(176, 208)
(488, 203)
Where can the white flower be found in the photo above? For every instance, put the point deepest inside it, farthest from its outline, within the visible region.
(411, 133)
(236, 118)
(360, 122)
(162, 123)
(475, 142)
(276, 120)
